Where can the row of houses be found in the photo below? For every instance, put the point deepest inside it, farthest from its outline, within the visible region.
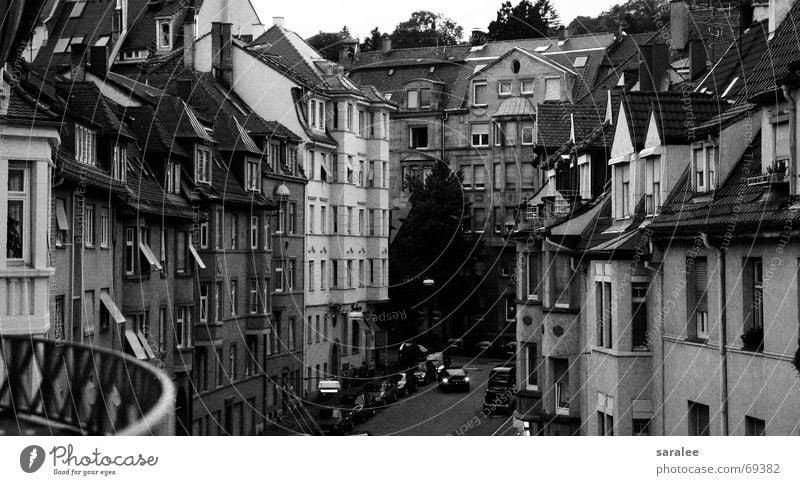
(663, 300)
(213, 208)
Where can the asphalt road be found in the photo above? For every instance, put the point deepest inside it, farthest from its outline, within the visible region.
(431, 412)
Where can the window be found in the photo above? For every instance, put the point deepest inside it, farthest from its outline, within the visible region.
(704, 167)
(754, 426)
(699, 424)
(585, 176)
(311, 276)
(526, 86)
(418, 137)
(265, 306)
(292, 270)
(322, 275)
(362, 123)
(267, 218)
(361, 280)
(279, 277)
(181, 252)
(697, 292)
(234, 231)
(120, 162)
(234, 287)
(162, 329)
(512, 175)
(479, 176)
(282, 209)
(479, 93)
(552, 89)
(104, 229)
(497, 215)
(355, 335)
(639, 312)
(311, 210)
(291, 335)
(334, 273)
(753, 304)
(480, 134)
(504, 88)
(318, 330)
(349, 117)
(349, 222)
(204, 302)
(605, 424)
(532, 272)
(385, 272)
(385, 223)
(323, 219)
(622, 190)
(58, 318)
(335, 219)
(479, 219)
(652, 184)
(385, 175)
(561, 380)
(202, 164)
(162, 247)
(292, 218)
(62, 223)
(85, 145)
(88, 226)
(531, 377)
(580, 61)
(349, 273)
(164, 34)
(412, 99)
(220, 369)
(641, 427)
(232, 357)
(254, 224)
(253, 303)
(604, 315)
(183, 325)
(561, 281)
(88, 312)
(172, 176)
(371, 174)
(527, 133)
(371, 222)
(253, 176)
(361, 222)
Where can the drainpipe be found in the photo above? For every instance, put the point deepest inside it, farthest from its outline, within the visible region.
(792, 140)
(660, 274)
(444, 149)
(723, 334)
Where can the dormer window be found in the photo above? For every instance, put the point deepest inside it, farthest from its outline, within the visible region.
(418, 98)
(164, 34)
(202, 165)
(85, 145)
(172, 181)
(119, 166)
(252, 176)
(622, 189)
(316, 114)
(479, 93)
(704, 167)
(652, 184)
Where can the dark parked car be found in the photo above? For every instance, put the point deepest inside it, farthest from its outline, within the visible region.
(425, 372)
(411, 353)
(454, 379)
(361, 406)
(334, 420)
(500, 390)
(405, 382)
(383, 392)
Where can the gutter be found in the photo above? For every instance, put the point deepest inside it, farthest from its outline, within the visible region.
(723, 334)
(792, 140)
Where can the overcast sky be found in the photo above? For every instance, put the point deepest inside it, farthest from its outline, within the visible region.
(307, 17)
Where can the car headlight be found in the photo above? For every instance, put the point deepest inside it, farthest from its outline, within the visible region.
(444, 381)
(466, 379)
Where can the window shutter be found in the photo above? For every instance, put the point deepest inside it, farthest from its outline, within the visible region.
(748, 291)
(701, 283)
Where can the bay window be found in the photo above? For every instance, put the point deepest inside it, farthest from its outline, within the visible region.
(85, 145)
(202, 164)
(252, 176)
(622, 190)
(527, 133)
(585, 177)
(704, 167)
(18, 221)
(120, 162)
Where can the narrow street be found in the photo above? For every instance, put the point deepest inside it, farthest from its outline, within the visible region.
(431, 412)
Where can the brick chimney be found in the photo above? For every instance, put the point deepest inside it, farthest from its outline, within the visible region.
(221, 61)
(697, 58)
(679, 24)
(562, 32)
(77, 61)
(98, 60)
(386, 43)
(188, 45)
(278, 21)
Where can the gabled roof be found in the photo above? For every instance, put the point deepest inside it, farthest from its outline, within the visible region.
(151, 132)
(550, 61)
(142, 15)
(776, 60)
(544, 45)
(85, 100)
(145, 194)
(291, 50)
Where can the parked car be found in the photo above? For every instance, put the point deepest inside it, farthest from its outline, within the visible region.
(510, 349)
(425, 373)
(411, 353)
(484, 346)
(405, 382)
(455, 344)
(454, 379)
(383, 392)
(500, 390)
(333, 420)
(361, 405)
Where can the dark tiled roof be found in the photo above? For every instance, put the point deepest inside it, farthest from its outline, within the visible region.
(553, 124)
(94, 22)
(151, 132)
(739, 62)
(735, 207)
(90, 176)
(142, 20)
(145, 194)
(783, 51)
(85, 100)
(292, 51)
(405, 57)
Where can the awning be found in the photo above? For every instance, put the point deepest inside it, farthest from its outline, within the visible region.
(148, 254)
(61, 216)
(135, 344)
(197, 257)
(145, 345)
(112, 308)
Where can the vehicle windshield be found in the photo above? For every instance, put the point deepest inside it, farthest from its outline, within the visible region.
(498, 381)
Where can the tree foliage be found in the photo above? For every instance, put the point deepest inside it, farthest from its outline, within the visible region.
(426, 29)
(633, 17)
(524, 21)
(328, 43)
(432, 244)
(374, 42)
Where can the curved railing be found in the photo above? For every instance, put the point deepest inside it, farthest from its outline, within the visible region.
(49, 387)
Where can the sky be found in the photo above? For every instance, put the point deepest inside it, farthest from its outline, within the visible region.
(308, 17)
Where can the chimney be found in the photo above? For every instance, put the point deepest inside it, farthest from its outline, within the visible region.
(77, 60)
(477, 37)
(645, 65)
(697, 58)
(660, 66)
(760, 10)
(679, 24)
(221, 62)
(386, 43)
(562, 32)
(183, 88)
(188, 45)
(278, 21)
(777, 12)
(98, 59)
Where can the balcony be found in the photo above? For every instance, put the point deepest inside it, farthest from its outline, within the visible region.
(59, 388)
(23, 300)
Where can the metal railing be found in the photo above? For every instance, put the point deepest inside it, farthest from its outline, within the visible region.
(50, 387)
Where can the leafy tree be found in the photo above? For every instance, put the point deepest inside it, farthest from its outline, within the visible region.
(431, 244)
(373, 42)
(426, 29)
(526, 20)
(328, 43)
(633, 17)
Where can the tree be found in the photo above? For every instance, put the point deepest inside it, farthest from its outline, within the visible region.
(328, 43)
(633, 17)
(526, 20)
(426, 29)
(432, 244)
(374, 42)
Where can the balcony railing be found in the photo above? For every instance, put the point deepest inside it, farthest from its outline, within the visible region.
(61, 388)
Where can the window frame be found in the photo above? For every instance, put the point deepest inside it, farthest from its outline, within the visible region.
(479, 84)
